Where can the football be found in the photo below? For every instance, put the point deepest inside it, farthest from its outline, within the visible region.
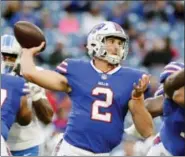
(28, 35)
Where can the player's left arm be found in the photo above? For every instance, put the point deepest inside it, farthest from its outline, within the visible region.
(40, 103)
(174, 87)
(154, 105)
(140, 115)
(43, 110)
(24, 115)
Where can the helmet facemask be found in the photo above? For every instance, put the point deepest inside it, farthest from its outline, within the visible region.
(98, 49)
(9, 62)
(10, 52)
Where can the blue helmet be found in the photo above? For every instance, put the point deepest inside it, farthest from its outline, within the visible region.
(168, 70)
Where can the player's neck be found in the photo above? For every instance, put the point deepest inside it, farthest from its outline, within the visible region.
(103, 65)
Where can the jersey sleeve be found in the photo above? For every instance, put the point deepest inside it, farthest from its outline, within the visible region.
(169, 69)
(159, 91)
(63, 67)
(67, 68)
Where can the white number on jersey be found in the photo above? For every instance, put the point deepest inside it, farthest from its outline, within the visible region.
(3, 95)
(106, 117)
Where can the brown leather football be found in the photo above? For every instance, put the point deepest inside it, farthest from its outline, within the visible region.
(28, 35)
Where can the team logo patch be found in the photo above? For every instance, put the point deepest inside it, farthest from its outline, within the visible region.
(103, 76)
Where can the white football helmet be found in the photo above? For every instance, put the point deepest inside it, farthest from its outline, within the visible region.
(2, 65)
(9, 47)
(96, 46)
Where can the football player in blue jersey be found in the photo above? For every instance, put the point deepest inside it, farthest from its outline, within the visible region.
(101, 92)
(150, 103)
(13, 106)
(27, 143)
(171, 138)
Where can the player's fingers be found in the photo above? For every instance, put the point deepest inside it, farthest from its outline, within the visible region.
(40, 47)
(148, 78)
(145, 77)
(140, 83)
(145, 80)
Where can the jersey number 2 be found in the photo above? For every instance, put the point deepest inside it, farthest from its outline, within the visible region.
(3, 95)
(96, 115)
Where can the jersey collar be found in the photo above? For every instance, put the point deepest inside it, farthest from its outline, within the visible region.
(109, 72)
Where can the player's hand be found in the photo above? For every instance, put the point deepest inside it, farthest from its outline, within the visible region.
(139, 89)
(36, 92)
(33, 50)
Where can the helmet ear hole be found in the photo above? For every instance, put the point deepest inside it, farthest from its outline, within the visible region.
(104, 54)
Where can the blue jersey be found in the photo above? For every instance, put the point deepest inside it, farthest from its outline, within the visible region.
(99, 104)
(173, 128)
(11, 92)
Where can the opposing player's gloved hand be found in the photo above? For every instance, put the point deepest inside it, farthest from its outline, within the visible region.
(36, 92)
(133, 131)
(140, 88)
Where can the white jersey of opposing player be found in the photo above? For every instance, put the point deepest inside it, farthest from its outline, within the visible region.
(158, 149)
(24, 137)
(4, 148)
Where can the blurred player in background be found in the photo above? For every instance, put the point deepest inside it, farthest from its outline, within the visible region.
(13, 106)
(25, 140)
(101, 92)
(171, 140)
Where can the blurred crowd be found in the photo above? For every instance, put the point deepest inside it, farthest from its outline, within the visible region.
(155, 29)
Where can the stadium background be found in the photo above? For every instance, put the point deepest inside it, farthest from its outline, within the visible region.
(155, 29)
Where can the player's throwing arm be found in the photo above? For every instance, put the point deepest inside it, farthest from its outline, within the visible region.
(46, 78)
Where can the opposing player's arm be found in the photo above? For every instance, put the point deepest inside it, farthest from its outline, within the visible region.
(24, 115)
(173, 87)
(40, 103)
(174, 82)
(43, 110)
(45, 78)
(141, 117)
(154, 105)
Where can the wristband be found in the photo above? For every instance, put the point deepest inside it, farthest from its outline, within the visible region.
(137, 98)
